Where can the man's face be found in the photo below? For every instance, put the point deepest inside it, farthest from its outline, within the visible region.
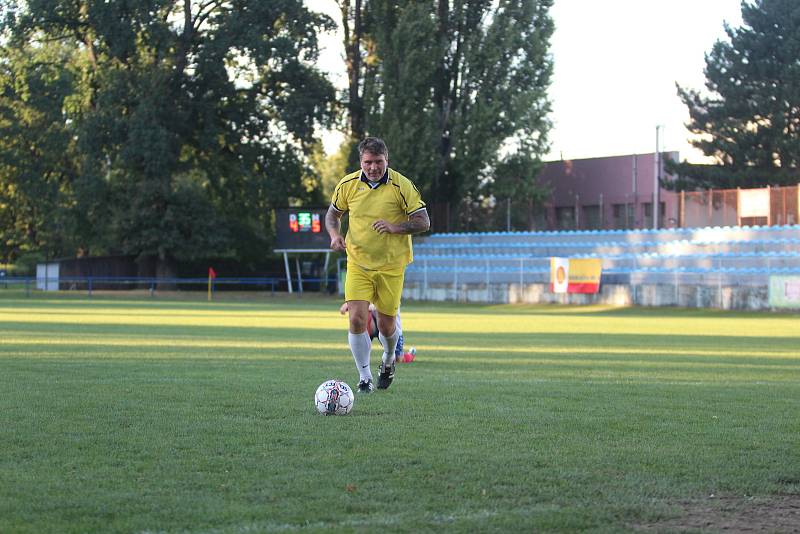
(373, 165)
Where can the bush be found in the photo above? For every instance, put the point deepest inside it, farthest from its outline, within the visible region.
(26, 264)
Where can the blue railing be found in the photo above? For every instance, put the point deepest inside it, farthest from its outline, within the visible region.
(153, 284)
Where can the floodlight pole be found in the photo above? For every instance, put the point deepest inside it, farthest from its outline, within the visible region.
(656, 177)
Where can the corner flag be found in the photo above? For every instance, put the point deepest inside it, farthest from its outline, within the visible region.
(212, 274)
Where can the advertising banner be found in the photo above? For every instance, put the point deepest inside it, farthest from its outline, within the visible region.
(559, 274)
(575, 275)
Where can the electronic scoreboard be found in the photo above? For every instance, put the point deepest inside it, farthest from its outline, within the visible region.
(301, 228)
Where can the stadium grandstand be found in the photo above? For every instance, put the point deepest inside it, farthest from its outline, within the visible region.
(718, 267)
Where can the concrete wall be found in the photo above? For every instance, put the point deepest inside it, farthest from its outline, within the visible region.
(726, 297)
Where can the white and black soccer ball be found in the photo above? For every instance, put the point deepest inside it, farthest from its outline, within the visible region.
(334, 397)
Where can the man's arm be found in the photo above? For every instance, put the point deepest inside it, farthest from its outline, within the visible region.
(333, 224)
(417, 223)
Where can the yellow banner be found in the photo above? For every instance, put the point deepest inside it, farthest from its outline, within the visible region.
(575, 275)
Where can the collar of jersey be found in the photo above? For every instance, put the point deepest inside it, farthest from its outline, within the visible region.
(384, 179)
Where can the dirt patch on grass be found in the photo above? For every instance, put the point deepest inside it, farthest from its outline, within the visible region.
(778, 513)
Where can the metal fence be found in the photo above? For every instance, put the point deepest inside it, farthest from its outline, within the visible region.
(455, 271)
(725, 283)
(724, 208)
(687, 209)
(153, 286)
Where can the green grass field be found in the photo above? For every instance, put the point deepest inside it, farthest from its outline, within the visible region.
(183, 416)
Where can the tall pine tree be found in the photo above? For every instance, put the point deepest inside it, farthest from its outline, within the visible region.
(748, 120)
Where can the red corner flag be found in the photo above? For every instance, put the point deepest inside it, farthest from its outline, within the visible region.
(212, 274)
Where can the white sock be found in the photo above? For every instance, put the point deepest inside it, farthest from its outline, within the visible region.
(360, 346)
(389, 345)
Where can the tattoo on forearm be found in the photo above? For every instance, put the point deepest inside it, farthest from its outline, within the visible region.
(332, 221)
(417, 223)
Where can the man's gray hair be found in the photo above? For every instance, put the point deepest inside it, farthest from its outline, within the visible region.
(373, 145)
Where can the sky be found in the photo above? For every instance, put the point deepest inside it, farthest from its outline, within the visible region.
(616, 63)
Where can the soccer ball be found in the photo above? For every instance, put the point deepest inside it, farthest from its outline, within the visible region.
(334, 397)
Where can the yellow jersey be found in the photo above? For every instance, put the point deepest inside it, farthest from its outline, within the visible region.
(393, 198)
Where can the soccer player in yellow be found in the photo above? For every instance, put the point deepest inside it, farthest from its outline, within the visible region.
(384, 210)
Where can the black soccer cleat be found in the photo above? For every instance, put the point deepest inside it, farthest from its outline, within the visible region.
(365, 386)
(386, 376)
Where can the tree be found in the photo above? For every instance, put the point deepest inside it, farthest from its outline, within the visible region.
(460, 86)
(514, 186)
(749, 119)
(361, 64)
(353, 30)
(36, 166)
(191, 119)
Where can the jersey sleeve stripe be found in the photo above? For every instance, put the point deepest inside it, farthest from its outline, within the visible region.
(400, 192)
(335, 198)
(339, 192)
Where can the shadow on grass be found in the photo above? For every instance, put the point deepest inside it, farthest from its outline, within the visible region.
(516, 342)
(196, 303)
(713, 358)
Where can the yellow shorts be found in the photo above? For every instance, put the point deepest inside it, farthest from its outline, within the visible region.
(382, 288)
